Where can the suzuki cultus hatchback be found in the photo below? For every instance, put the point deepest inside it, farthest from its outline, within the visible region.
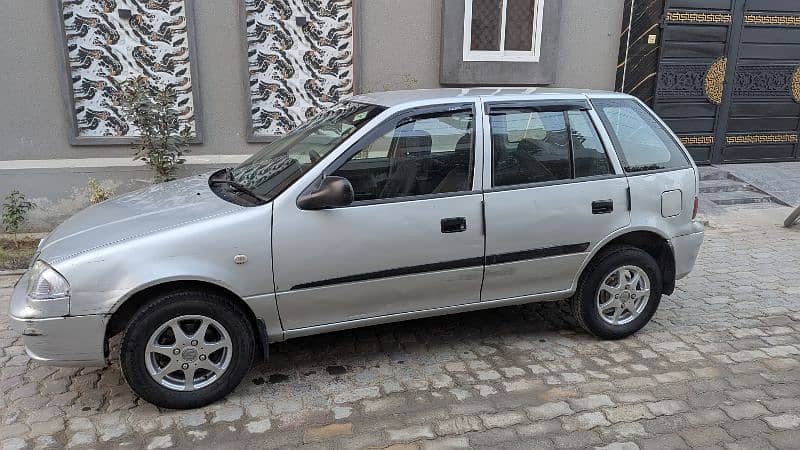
(386, 207)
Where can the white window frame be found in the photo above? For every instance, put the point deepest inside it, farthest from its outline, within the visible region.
(502, 54)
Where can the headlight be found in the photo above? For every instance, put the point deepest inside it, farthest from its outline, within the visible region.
(44, 283)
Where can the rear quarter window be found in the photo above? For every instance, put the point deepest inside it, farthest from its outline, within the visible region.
(642, 143)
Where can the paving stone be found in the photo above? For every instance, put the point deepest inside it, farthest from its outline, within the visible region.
(410, 434)
(334, 430)
(627, 413)
(705, 417)
(258, 426)
(783, 422)
(446, 443)
(81, 439)
(384, 404)
(625, 430)
(164, 441)
(619, 446)
(748, 410)
(549, 411)
(577, 439)
(458, 425)
(785, 439)
(705, 436)
(584, 421)
(357, 394)
(503, 420)
(667, 407)
(590, 402)
(491, 437)
(539, 428)
(227, 413)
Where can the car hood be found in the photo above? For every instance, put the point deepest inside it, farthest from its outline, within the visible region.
(156, 208)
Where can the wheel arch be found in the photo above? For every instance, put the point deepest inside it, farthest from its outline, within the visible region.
(652, 241)
(125, 309)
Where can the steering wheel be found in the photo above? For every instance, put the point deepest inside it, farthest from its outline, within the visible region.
(314, 156)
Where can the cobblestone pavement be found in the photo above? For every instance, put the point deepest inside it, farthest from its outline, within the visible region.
(718, 367)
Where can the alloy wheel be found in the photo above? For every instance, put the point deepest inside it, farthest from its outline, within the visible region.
(623, 295)
(188, 353)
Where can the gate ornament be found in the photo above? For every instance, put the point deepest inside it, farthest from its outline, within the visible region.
(796, 85)
(715, 81)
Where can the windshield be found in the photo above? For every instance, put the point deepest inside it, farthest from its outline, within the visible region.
(283, 161)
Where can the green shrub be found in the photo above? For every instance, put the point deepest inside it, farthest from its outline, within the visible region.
(98, 193)
(152, 109)
(15, 211)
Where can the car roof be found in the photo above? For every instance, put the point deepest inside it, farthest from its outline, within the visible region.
(396, 98)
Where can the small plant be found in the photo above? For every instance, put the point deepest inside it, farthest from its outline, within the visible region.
(15, 211)
(164, 136)
(98, 193)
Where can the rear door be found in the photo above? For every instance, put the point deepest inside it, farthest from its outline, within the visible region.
(552, 193)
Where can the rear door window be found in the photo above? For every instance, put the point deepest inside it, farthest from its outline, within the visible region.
(529, 147)
(642, 143)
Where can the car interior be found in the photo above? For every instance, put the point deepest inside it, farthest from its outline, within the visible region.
(411, 166)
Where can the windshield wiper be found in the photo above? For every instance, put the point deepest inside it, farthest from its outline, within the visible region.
(239, 187)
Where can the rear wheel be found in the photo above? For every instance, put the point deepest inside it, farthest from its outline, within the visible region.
(187, 349)
(618, 293)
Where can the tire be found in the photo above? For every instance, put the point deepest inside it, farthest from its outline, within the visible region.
(610, 265)
(216, 373)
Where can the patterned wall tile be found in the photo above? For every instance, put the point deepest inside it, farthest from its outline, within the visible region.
(106, 45)
(300, 60)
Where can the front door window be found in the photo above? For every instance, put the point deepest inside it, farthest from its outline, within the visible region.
(419, 155)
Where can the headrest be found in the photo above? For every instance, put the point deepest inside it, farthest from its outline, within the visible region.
(414, 143)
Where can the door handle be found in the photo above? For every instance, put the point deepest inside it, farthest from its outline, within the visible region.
(454, 224)
(602, 206)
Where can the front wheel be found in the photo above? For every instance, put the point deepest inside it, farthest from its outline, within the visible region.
(187, 349)
(618, 293)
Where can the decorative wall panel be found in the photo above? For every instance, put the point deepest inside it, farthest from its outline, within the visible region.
(109, 41)
(300, 60)
(763, 81)
(681, 80)
(640, 42)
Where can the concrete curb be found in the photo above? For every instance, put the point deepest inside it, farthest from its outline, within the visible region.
(8, 236)
(8, 273)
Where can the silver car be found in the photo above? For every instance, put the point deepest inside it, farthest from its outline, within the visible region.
(386, 207)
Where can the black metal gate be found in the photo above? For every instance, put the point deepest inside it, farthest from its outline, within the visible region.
(728, 77)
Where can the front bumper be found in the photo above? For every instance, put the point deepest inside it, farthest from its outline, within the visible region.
(686, 248)
(59, 341)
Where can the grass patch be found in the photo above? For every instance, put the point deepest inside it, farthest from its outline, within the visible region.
(17, 255)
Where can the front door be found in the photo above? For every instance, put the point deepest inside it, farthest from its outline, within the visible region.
(555, 193)
(412, 240)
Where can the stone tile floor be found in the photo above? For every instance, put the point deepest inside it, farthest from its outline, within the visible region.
(781, 180)
(719, 367)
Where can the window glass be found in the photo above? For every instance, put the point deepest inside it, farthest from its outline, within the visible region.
(589, 155)
(486, 20)
(642, 143)
(529, 147)
(519, 25)
(286, 159)
(502, 30)
(428, 154)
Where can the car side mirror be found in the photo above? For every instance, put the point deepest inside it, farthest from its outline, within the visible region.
(331, 193)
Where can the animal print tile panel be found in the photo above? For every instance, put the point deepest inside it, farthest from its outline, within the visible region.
(300, 58)
(110, 41)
